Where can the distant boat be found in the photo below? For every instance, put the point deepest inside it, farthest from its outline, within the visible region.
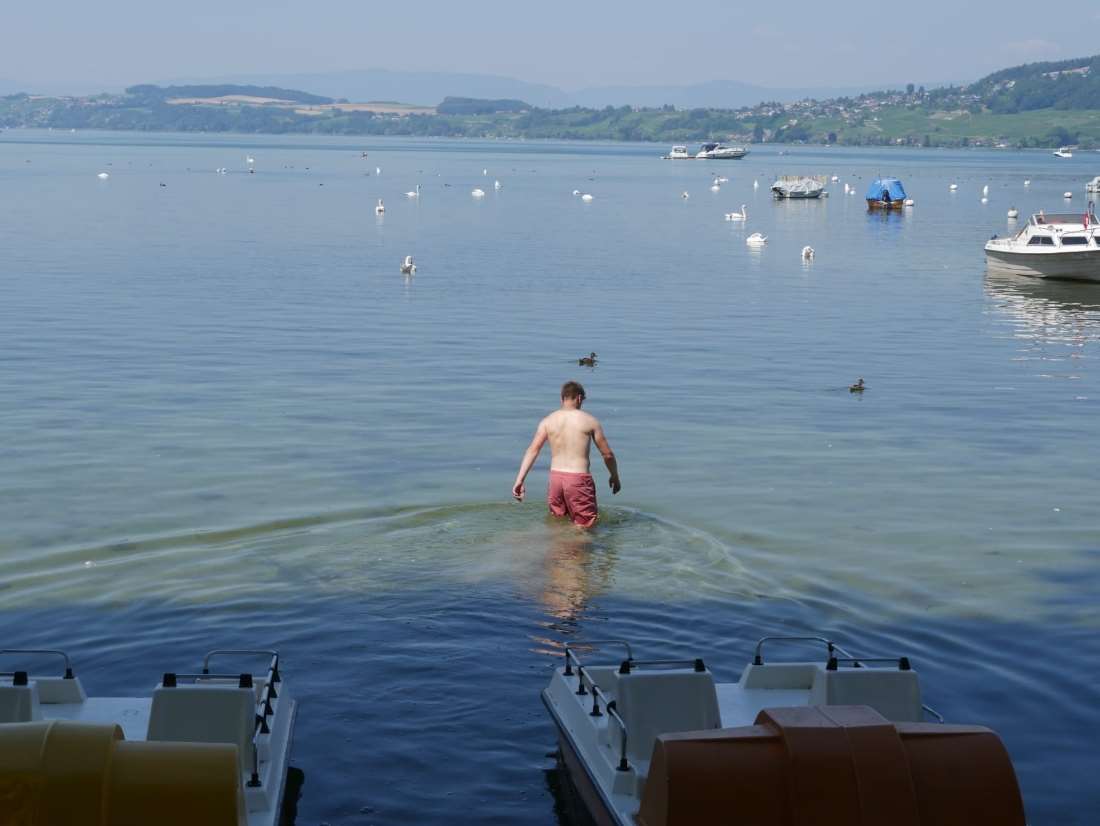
(718, 152)
(678, 153)
(478, 193)
(885, 193)
(796, 187)
(1062, 153)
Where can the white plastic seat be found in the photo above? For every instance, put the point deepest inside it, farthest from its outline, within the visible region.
(205, 713)
(893, 693)
(660, 702)
(19, 703)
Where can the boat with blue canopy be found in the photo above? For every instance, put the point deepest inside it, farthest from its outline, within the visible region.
(886, 193)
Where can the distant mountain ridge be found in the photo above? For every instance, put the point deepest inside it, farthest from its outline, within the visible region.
(429, 88)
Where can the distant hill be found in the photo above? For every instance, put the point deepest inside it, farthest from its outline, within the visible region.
(476, 106)
(152, 93)
(431, 87)
(1064, 85)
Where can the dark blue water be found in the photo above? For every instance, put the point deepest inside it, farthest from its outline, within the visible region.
(227, 419)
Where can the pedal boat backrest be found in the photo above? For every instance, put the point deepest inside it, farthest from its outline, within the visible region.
(654, 699)
(207, 711)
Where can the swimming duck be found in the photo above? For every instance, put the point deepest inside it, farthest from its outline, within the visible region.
(587, 361)
(858, 387)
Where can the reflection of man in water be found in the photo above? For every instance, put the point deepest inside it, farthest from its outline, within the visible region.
(570, 431)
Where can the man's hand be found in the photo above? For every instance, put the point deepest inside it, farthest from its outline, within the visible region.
(614, 483)
(518, 491)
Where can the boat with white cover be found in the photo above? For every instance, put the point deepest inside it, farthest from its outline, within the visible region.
(1063, 152)
(678, 153)
(841, 740)
(720, 152)
(795, 187)
(207, 748)
(1061, 245)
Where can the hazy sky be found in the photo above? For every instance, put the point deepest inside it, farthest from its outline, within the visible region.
(561, 42)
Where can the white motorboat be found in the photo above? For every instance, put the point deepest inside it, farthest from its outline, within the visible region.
(838, 741)
(1063, 152)
(719, 152)
(1064, 246)
(205, 748)
(1093, 186)
(678, 153)
(798, 186)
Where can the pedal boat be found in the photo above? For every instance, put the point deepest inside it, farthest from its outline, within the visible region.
(206, 749)
(839, 741)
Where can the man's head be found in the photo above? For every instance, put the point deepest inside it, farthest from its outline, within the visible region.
(573, 392)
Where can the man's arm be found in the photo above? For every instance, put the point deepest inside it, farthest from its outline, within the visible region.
(529, 457)
(608, 457)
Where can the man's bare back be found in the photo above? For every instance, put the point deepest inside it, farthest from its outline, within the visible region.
(570, 432)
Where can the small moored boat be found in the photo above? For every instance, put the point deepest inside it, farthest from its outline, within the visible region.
(839, 741)
(1063, 152)
(678, 153)
(886, 193)
(1061, 246)
(798, 186)
(206, 748)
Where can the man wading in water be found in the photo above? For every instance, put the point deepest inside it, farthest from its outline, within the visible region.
(570, 430)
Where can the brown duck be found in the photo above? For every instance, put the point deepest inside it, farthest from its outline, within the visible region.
(587, 361)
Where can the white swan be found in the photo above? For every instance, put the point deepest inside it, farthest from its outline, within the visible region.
(722, 179)
(985, 200)
(497, 186)
(485, 172)
(846, 189)
(408, 267)
(478, 193)
(756, 240)
(1013, 212)
(576, 192)
(756, 184)
(1067, 195)
(103, 176)
(415, 193)
(909, 202)
(380, 209)
(835, 178)
(715, 187)
(378, 170)
(249, 160)
(985, 189)
(807, 253)
(684, 195)
(586, 197)
(953, 187)
(1027, 182)
(738, 216)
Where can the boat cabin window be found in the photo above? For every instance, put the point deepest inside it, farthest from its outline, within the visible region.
(1041, 240)
(1074, 240)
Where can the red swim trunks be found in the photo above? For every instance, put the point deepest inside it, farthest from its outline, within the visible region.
(573, 495)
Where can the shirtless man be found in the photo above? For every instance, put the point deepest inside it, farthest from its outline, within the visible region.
(570, 430)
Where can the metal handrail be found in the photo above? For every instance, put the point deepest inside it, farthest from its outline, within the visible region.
(570, 654)
(932, 711)
(68, 664)
(695, 664)
(612, 711)
(758, 658)
(902, 662)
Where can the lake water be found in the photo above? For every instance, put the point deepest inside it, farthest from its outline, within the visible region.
(228, 420)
